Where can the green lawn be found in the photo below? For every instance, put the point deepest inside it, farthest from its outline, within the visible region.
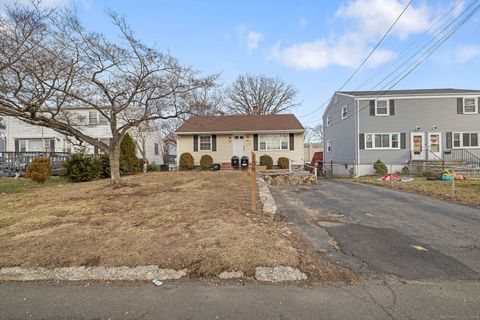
(10, 185)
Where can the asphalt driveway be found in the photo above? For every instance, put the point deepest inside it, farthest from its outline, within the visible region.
(380, 232)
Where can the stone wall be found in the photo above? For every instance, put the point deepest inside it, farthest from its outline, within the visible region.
(279, 179)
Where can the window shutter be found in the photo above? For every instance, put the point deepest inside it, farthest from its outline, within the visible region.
(292, 141)
(255, 142)
(195, 143)
(392, 107)
(95, 150)
(372, 107)
(449, 140)
(478, 105)
(361, 141)
(214, 142)
(17, 145)
(52, 145)
(403, 140)
(460, 105)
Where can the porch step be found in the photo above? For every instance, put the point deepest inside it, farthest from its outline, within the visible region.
(226, 166)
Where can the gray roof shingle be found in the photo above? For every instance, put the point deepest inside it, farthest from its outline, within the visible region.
(448, 91)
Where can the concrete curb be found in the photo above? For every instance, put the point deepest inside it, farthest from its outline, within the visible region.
(90, 273)
(268, 203)
(279, 274)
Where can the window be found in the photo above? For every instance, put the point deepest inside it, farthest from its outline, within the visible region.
(205, 143)
(382, 141)
(328, 121)
(23, 145)
(329, 146)
(470, 105)
(273, 141)
(102, 119)
(344, 112)
(92, 117)
(465, 140)
(381, 108)
(155, 148)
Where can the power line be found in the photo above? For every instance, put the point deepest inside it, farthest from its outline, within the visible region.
(366, 59)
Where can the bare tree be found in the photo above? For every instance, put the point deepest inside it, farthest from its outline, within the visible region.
(314, 134)
(168, 137)
(257, 94)
(207, 101)
(140, 135)
(50, 64)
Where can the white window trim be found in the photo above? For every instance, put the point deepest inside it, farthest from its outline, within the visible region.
(200, 143)
(329, 146)
(461, 140)
(476, 106)
(389, 143)
(329, 123)
(344, 114)
(260, 136)
(388, 108)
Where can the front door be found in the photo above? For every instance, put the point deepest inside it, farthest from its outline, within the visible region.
(239, 146)
(417, 145)
(434, 146)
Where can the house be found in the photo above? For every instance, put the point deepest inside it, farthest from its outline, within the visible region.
(400, 127)
(224, 137)
(23, 137)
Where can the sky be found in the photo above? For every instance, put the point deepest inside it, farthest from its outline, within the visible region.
(313, 45)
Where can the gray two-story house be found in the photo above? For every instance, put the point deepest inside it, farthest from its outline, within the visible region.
(399, 127)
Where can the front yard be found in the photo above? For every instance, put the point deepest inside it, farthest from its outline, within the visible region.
(466, 191)
(200, 221)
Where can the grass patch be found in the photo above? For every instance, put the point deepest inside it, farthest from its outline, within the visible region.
(195, 220)
(11, 185)
(466, 191)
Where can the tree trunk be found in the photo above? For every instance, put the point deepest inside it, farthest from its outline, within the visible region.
(115, 166)
(145, 165)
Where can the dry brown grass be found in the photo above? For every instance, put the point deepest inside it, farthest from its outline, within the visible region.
(466, 191)
(200, 221)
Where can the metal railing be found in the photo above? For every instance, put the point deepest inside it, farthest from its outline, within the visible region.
(12, 163)
(462, 155)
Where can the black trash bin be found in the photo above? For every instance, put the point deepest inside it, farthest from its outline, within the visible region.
(244, 162)
(216, 167)
(235, 162)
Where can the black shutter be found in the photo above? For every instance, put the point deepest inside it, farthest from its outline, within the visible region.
(292, 141)
(361, 141)
(95, 150)
(17, 145)
(255, 142)
(478, 105)
(460, 105)
(195, 143)
(372, 107)
(403, 140)
(392, 107)
(52, 145)
(214, 143)
(449, 140)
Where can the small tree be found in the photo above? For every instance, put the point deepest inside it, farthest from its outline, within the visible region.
(380, 168)
(186, 161)
(39, 170)
(283, 163)
(80, 167)
(129, 163)
(267, 161)
(206, 162)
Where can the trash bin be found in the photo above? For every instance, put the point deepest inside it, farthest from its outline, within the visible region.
(244, 162)
(216, 167)
(235, 162)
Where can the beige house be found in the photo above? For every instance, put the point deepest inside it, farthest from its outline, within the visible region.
(225, 137)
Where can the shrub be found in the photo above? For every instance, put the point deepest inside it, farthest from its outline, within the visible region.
(267, 161)
(405, 171)
(152, 167)
(283, 163)
(206, 162)
(186, 161)
(380, 168)
(129, 163)
(39, 170)
(103, 166)
(80, 167)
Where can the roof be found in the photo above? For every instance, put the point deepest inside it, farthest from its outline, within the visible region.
(241, 123)
(447, 91)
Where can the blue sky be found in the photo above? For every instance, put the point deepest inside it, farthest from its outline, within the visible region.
(313, 45)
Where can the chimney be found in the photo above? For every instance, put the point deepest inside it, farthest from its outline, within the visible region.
(255, 110)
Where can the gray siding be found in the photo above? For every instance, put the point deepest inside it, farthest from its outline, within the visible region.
(2, 144)
(409, 113)
(341, 133)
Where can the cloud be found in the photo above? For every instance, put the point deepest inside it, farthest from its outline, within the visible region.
(251, 38)
(363, 23)
(467, 52)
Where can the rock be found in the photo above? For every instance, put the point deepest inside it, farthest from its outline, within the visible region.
(279, 274)
(230, 275)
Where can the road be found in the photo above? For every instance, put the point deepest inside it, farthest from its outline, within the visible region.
(386, 233)
(444, 300)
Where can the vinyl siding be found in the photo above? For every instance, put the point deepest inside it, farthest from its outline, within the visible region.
(224, 151)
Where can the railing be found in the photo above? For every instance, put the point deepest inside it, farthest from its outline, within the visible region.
(462, 155)
(12, 163)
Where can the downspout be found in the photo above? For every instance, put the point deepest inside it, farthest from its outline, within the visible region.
(357, 129)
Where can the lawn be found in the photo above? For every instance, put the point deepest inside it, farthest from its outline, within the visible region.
(195, 220)
(466, 191)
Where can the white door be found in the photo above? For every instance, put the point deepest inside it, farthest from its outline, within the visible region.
(239, 146)
(417, 145)
(435, 146)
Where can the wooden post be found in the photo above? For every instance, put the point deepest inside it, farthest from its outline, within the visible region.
(391, 175)
(254, 181)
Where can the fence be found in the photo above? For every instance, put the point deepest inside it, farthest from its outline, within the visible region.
(12, 163)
